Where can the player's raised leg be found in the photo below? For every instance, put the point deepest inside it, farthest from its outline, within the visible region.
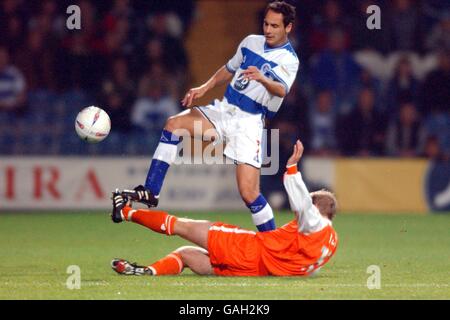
(195, 231)
(248, 184)
(159, 221)
(187, 123)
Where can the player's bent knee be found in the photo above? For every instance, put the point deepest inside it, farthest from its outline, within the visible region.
(172, 124)
(177, 125)
(191, 249)
(189, 252)
(249, 195)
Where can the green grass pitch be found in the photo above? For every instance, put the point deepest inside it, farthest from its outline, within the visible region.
(413, 253)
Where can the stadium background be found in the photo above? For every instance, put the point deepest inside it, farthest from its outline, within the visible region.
(371, 106)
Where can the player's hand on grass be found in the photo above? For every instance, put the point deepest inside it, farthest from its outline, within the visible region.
(296, 154)
(193, 94)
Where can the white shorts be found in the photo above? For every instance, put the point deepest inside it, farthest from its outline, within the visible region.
(241, 131)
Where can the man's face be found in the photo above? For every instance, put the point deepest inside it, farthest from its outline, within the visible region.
(274, 30)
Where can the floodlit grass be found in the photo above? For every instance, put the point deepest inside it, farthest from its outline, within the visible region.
(412, 252)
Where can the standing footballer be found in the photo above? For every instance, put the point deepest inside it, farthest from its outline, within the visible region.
(261, 72)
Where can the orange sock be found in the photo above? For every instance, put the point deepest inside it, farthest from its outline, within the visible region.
(158, 221)
(170, 264)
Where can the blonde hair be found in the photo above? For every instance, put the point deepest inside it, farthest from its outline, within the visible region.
(326, 202)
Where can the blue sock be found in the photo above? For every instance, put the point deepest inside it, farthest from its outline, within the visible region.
(262, 214)
(163, 157)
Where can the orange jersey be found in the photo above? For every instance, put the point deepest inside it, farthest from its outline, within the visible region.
(282, 252)
(285, 251)
(298, 248)
(234, 251)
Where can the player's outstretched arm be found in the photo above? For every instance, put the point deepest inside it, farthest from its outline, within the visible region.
(299, 198)
(296, 154)
(219, 78)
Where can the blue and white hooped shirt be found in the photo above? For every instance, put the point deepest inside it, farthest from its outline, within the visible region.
(277, 63)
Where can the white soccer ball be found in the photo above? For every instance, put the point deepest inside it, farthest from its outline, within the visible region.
(92, 124)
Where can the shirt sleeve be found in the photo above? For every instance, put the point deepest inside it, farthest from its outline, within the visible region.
(234, 63)
(309, 218)
(285, 74)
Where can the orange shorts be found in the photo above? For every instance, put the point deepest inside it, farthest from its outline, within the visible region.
(234, 251)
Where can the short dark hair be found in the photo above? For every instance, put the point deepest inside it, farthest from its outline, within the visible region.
(326, 202)
(287, 10)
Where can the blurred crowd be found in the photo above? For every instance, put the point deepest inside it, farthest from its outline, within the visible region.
(359, 92)
(128, 57)
(364, 92)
